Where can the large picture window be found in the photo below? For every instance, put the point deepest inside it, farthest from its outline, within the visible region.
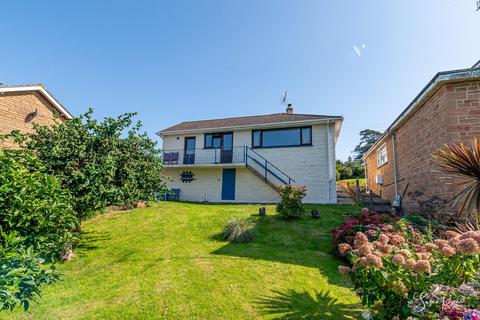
(382, 155)
(287, 137)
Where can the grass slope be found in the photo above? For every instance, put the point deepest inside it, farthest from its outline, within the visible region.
(168, 261)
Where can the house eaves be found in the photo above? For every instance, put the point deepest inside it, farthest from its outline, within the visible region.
(38, 88)
(437, 81)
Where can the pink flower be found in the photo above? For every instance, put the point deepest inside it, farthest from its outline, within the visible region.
(423, 266)
(396, 240)
(365, 250)
(431, 246)
(410, 263)
(468, 246)
(374, 261)
(441, 243)
(360, 263)
(360, 240)
(405, 253)
(424, 255)
(448, 251)
(383, 238)
(365, 211)
(387, 249)
(398, 259)
(451, 234)
(344, 249)
(344, 270)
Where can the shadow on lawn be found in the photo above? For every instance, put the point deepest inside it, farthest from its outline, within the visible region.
(304, 242)
(291, 305)
(89, 241)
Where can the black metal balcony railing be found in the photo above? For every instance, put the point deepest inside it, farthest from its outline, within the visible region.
(236, 155)
(204, 156)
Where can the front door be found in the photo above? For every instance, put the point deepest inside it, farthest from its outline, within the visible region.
(228, 184)
(189, 151)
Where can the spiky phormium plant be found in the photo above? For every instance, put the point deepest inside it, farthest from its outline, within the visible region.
(463, 161)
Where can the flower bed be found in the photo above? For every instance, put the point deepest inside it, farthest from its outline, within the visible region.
(409, 276)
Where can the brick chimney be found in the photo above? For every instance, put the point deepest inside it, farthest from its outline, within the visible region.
(289, 108)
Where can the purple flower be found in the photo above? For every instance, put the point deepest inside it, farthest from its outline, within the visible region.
(471, 315)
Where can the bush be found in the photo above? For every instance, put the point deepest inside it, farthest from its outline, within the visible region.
(239, 230)
(97, 161)
(372, 224)
(403, 275)
(34, 206)
(291, 205)
(21, 277)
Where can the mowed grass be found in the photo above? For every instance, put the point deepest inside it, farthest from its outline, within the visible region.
(169, 261)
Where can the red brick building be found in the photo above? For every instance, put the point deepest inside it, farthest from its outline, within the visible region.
(447, 110)
(23, 105)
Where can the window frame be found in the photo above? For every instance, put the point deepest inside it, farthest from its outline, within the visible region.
(221, 134)
(283, 146)
(379, 151)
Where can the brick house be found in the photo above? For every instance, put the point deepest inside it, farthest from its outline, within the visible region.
(447, 110)
(23, 105)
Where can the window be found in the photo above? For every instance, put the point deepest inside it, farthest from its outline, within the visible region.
(382, 155)
(219, 140)
(287, 137)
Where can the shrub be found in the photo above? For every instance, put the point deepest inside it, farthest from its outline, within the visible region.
(396, 272)
(34, 206)
(21, 274)
(291, 205)
(372, 224)
(463, 161)
(239, 230)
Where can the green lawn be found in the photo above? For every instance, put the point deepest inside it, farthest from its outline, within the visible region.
(168, 261)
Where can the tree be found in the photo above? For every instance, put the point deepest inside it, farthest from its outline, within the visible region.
(367, 138)
(97, 162)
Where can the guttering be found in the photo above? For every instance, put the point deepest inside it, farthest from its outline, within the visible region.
(433, 85)
(43, 91)
(250, 126)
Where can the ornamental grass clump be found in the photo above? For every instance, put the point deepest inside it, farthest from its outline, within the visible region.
(239, 230)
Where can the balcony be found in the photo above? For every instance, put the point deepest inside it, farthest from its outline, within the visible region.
(204, 157)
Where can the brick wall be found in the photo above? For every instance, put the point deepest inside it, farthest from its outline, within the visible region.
(451, 114)
(15, 108)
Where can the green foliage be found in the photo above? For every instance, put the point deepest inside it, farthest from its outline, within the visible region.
(367, 138)
(239, 230)
(139, 169)
(291, 205)
(97, 161)
(21, 274)
(33, 205)
(349, 169)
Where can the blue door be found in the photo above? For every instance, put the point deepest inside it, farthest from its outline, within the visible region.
(228, 184)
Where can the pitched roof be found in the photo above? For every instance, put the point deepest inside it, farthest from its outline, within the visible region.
(225, 123)
(432, 86)
(41, 89)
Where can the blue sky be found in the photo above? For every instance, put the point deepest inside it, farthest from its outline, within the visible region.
(172, 61)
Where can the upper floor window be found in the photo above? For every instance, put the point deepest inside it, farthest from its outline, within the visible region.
(286, 137)
(219, 140)
(382, 155)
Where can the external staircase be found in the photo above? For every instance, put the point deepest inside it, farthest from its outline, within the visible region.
(265, 170)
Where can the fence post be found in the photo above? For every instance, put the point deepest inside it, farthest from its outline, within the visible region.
(358, 195)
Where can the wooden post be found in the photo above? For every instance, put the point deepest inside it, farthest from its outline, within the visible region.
(357, 191)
